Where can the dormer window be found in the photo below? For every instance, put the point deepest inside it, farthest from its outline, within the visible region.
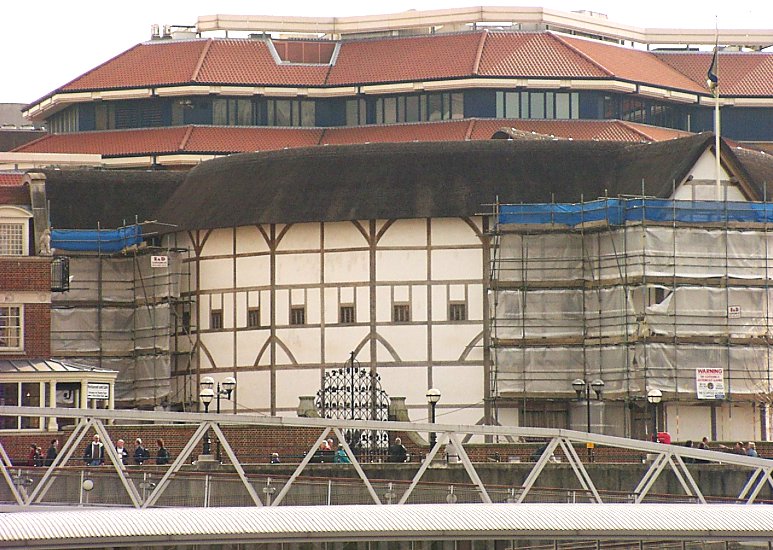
(14, 223)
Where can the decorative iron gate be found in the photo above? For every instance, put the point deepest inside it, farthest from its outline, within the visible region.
(352, 392)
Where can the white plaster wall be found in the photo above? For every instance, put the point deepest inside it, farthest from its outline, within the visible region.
(454, 232)
(253, 271)
(405, 233)
(220, 348)
(253, 389)
(449, 341)
(303, 343)
(457, 264)
(297, 269)
(219, 243)
(249, 239)
(249, 344)
(401, 265)
(408, 341)
(216, 273)
(347, 267)
(301, 236)
(341, 340)
(344, 235)
(292, 383)
(738, 423)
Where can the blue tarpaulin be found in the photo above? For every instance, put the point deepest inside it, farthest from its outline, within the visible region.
(96, 240)
(619, 211)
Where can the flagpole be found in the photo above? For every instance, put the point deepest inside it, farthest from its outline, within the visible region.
(718, 165)
(713, 82)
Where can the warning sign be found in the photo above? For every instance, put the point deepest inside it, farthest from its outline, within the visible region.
(710, 383)
(159, 261)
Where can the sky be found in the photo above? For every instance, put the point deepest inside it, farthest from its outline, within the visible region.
(46, 45)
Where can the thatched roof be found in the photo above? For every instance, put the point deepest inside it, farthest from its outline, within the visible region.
(420, 180)
(84, 199)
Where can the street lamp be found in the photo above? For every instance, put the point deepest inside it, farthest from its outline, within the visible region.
(582, 389)
(654, 397)
(207, 394)
(433, 396)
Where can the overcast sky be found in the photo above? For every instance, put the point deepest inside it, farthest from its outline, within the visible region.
(45, 45)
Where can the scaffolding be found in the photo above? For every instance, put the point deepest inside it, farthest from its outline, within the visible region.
(122, 309)
(638, 292)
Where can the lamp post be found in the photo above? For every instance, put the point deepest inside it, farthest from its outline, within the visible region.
(654, 397)
(582, 389)
(433, 396)
(207, 394)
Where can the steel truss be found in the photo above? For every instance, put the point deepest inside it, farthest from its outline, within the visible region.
(559, 441)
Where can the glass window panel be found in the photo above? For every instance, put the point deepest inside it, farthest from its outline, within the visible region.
(423, 116)
(12, 239)
(220, 112)
(401, 109)
(390, 110)
(575, 111)
(244, 112)
(500, 105)
(512, 105)
(537, 107)
(30, 397)
(562, 105)
(352, 112)
(457, 105)
(549, 104)
(525, 105)
(308, 113)
(282, 116)
(446, 106)
(412, 108)
(295, 120)
(434, 106)
(10, 327)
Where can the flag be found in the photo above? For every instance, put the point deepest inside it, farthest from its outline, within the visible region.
(712, 77)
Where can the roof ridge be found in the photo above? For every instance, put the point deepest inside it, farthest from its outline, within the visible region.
(479, 53)
(186, 138)
(634, 129)
(580, 53)
(202, 57)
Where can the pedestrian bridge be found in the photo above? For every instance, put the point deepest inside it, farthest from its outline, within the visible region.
(190, 479)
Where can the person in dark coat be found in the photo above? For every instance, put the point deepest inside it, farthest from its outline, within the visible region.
(52, 452)
(95, 452)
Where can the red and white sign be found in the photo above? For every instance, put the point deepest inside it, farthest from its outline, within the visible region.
(710, 383)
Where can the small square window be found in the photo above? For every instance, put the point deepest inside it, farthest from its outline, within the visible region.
(216, 319)
(401, 313)
(253, 317)
(297, 315)
(346, 315)
(457, 311)
(10, 328)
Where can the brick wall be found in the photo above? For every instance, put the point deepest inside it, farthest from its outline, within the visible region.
(255, 444)
(29, 274)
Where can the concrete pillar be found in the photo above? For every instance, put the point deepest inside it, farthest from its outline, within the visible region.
(53, 426)
(84, 402)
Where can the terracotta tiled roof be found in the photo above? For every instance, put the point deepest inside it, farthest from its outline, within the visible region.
(11, 179)
(455, 130)
(740, 74)
(533, 55)
(216, 139)
(224, 139)
(147, 64)
(633, 65)
(598, 130)
(250, 62)
(406, 59)
(111, 143)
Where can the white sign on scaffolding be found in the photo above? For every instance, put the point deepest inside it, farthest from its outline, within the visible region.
(710, 383)
(97, 390)
(159, 261)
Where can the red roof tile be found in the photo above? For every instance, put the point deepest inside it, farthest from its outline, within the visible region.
(632, 65)
(217, 139)
(740, 74)
(225, 140)
(148, 64)
(11, 179)
(455, 130)
(405, 59)
(250, 62)
(111, 143)
(533, 55)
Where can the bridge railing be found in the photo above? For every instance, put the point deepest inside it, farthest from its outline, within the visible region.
(567, 457)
